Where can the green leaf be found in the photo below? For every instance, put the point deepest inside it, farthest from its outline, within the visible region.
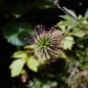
(78, 33)
(68, 42)
(20, 54)
(16, 33)
(67, 18)
(67, 22)
(61, 25)
(16, 67)
(63, 55)
(33, 63)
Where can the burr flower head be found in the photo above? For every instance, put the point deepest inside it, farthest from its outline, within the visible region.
(46, 44)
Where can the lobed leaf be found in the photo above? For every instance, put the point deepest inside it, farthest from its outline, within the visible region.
(68, 42)
(33, 63)
(16, 67)
(20, 54)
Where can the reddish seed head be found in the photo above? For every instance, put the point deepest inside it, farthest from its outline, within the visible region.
(46, 43)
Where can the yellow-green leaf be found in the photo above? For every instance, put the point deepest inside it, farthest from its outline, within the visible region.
(33, 63)
(68, 42)
(78, 33)
(16, 67)
(30, 46)
(20, 54)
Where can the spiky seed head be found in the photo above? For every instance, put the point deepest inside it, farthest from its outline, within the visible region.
(46, 44)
